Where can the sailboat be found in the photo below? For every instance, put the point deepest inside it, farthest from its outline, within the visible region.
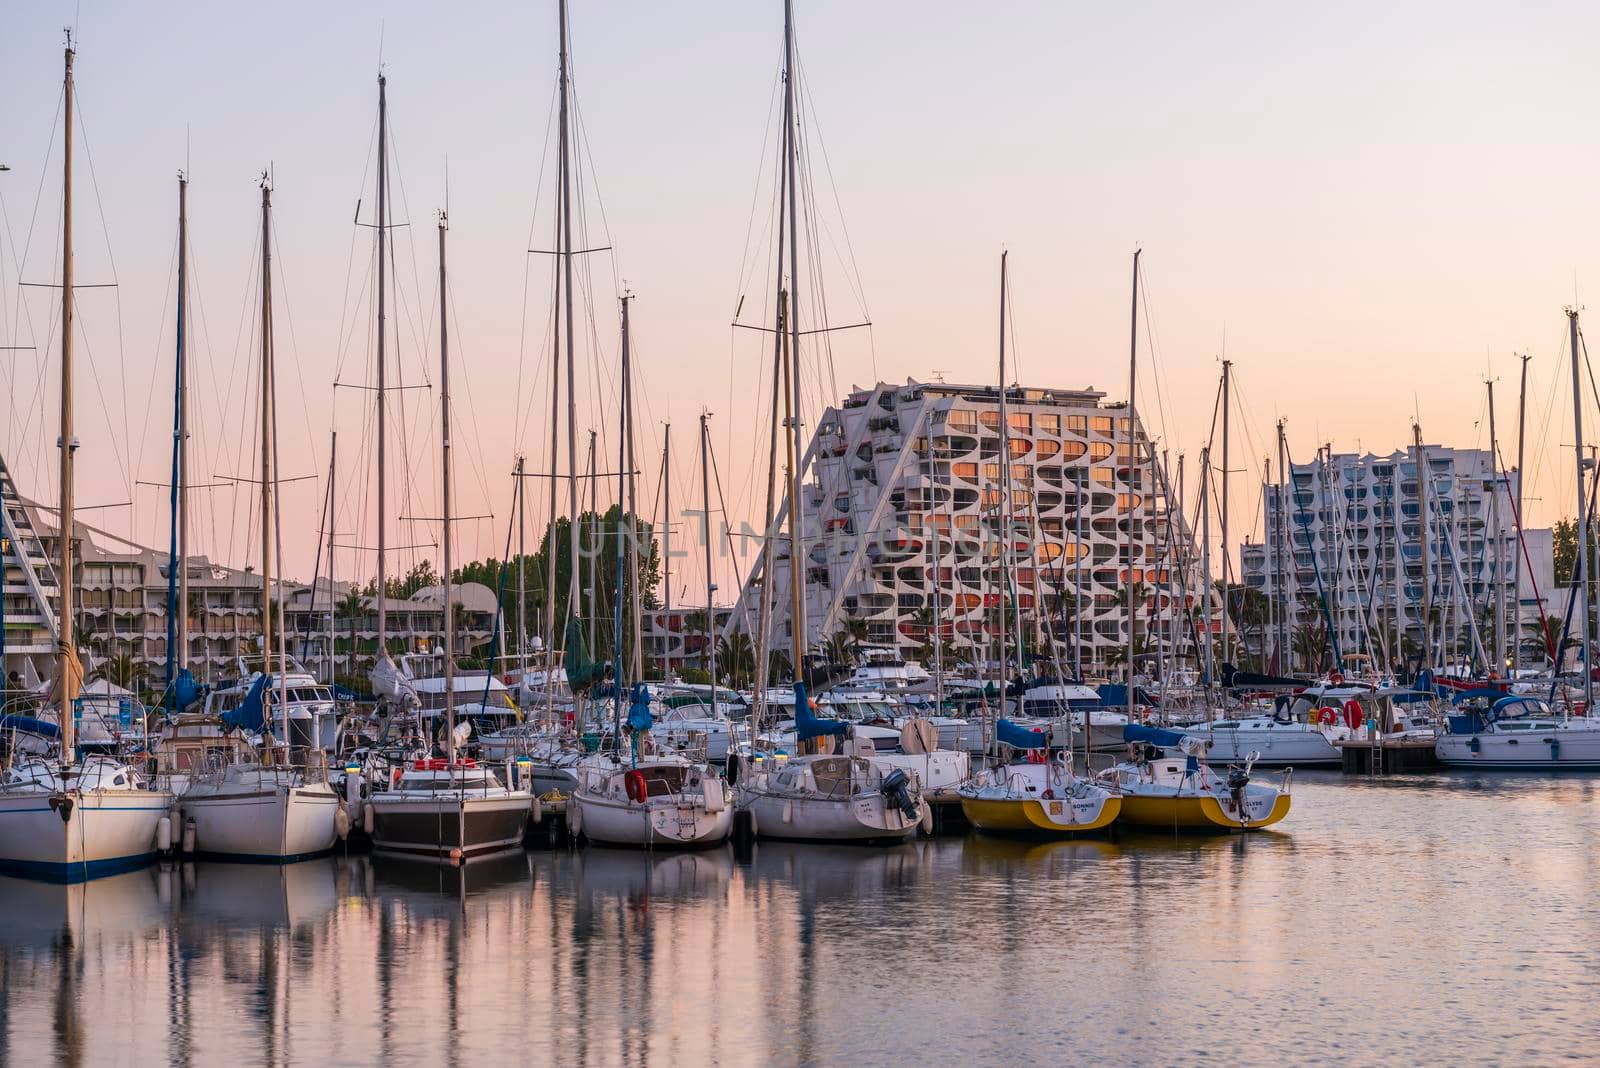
(1522, 732)
(63, 818)
(1041, 794)
(817, 794)
(247, 808)
(1169, 786)
(645, 797)
(444, 809)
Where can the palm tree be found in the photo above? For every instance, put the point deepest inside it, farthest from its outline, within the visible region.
(350, 608)
(736, 655)
(122, 670)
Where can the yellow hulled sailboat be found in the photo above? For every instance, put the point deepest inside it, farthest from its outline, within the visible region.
(1168, 786)
(1038, 795)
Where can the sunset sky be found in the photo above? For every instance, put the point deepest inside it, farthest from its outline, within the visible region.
(1371, 208)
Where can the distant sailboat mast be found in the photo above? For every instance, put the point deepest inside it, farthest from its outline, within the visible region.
(444, 493)
(1133, 486)
(383, 233)
(66, 662)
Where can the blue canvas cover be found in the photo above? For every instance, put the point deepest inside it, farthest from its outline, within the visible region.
(1019, 737)
(251, 715)
(806, 724)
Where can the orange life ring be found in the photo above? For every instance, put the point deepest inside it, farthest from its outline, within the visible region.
(1353, 714)
(1037, 756)
(634, 783)
(1328, 716)
(1337, 678)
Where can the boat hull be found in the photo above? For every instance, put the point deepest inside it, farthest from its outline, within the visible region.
(1273, 748)
(665, 824)
(106, 832)
(1548, 750)
(864, 818)
(452, 828)
(1198, 812)
(273, 825)
(1048, 817)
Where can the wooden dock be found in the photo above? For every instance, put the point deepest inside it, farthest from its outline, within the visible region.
(1390, 756)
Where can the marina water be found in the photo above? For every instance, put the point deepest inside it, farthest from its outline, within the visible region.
(1392, 921)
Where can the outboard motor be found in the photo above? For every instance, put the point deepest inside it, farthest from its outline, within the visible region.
(897, 788)
(1238, 779)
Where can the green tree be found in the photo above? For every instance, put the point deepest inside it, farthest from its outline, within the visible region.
(736, 659)
(597, 536)
(122, 670)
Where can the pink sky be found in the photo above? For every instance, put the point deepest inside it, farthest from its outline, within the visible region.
(1376, 208)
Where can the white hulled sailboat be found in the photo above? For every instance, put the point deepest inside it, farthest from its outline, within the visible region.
(63, 818)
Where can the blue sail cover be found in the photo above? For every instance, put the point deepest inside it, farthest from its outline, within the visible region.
(185, 690)
(29, 725)
(1483, 693)
(251, 715)
(1115, 695)
(639, 717)
(1133, 732)
(806, 724)
(1019, 737)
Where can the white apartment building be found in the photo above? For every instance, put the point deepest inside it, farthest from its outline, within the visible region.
(901, 490)
(1351, 536)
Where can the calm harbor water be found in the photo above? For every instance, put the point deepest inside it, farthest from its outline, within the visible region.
(1440, 918)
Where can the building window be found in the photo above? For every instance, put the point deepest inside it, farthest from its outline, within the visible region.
(1101, 424)
(968, 471)
(1020, 421)
(1049, 424)
(963, 419)
(1077, 424)
(989, 417)
(1099, 450)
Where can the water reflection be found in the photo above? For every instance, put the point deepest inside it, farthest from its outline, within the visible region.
(1384, 921)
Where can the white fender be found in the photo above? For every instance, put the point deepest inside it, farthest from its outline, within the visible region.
(788, 812)
(716, 798)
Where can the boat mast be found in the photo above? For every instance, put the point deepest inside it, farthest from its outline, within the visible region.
(711, 588)
(1285, 554)
(522, 577)
(1516, 550)
(66, 662)
(444, 457)
(270, 530)
(790, 311)
(631, 515)
(566, 271)
(592, 543)
(1581, 571)
(1004, 508)
(1133, 486)
(624, 540)
(1206, 653)
(181, 476)
(1426, 515)
(792, 477)
(177, 547)
(1227, 603)
(333, 525)
(666, 548)
(1497, 566)
(383, 234)
(935, 584)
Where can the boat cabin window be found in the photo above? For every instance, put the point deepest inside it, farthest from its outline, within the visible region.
(663, 781)
(832, 775)
(1226, 725)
